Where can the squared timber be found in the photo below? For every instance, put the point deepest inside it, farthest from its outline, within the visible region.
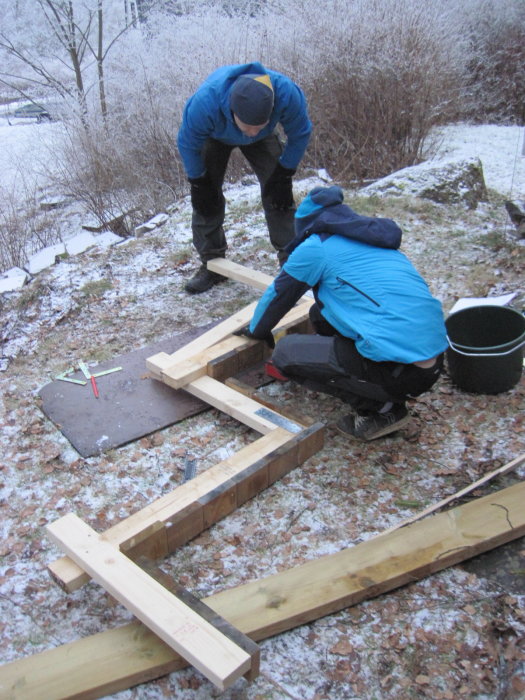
(172, 618)
(178, 516)
(183, 527)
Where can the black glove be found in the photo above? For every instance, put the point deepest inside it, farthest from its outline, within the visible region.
(245, 331)
(206, 198)
(279, 188)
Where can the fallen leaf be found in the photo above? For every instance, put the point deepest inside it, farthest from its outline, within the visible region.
(342, 648)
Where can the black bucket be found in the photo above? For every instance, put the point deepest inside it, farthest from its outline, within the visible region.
(485, 354)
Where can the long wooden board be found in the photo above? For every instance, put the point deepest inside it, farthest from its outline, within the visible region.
(198, 641)
(161, 364)
(162, 360)
(172, 520)
(117, 659)
(240, 273)
(239, 406)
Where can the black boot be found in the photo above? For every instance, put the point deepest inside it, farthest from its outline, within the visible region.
(202, 280)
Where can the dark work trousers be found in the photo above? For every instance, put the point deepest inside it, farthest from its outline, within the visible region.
(330, 363)
(208, 231)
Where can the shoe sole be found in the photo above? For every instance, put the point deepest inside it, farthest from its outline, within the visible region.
(388, 429)
(192, 290)
(380, 433)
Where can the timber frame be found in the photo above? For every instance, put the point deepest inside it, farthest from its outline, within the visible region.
(118, 659)
(189, 627)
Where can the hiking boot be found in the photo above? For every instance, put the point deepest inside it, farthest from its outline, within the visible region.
(202, 280)
(374, 425)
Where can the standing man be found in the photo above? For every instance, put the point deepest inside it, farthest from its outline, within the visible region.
(241, 106)
(379, 333)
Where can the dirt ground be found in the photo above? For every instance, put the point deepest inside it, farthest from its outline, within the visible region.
(458, 633)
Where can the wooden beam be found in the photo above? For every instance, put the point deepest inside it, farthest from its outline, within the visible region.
(171, 585)
(190, 362)
(172, 520)
(117, 659)
(240, 273)
(248, 390)
(162, 361)
(184, 372)
(239, 406)
(163, 364)
(172, 618)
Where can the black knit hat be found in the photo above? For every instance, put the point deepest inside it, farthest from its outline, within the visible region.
(251, 99)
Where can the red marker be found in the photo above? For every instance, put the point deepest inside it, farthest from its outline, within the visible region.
(94, 385)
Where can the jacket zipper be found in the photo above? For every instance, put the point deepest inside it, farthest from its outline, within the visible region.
(342, 281)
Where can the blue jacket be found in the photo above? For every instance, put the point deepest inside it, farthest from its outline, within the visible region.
(371, 294)
(207, 114)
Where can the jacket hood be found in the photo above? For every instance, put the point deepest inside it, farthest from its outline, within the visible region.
(323, 211)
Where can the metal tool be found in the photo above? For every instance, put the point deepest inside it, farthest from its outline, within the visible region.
(190, 468)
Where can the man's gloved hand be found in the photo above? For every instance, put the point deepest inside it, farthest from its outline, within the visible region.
(245, 331)
(206, 198)
(279, 188)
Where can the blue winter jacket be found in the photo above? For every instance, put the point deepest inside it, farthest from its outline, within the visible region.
(207, 114)
(371, 294)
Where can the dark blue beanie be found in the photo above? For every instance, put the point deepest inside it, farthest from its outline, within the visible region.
(251, 99)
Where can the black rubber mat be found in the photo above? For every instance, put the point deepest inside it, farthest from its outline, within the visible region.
(130, 403)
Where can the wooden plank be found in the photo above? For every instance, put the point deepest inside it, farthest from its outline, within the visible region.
(371, 568)
(118, 659)
(173, 620)
(237, 360)
(240, 273)
(184, 372)
(158, 363)
(239, 406)
(183, 366)
(130, 532)
(171, 585)
(252, 392)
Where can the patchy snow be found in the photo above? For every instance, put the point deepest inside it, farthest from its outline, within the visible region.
(24, 152)
(501, 150)
(454, 634)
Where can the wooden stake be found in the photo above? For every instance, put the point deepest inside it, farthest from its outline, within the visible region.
(431, 509)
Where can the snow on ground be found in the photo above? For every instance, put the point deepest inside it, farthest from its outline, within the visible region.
(501, 150)
(455, 634)
(24, 153)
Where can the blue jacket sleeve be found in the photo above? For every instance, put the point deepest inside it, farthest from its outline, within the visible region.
(302, 270)
(197, 124)
(277, 300)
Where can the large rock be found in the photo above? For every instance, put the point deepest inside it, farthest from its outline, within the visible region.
(454, 182)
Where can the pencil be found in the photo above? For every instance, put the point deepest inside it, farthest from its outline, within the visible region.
(94, 385)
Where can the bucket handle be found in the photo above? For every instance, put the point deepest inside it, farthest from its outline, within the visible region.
(484, 354)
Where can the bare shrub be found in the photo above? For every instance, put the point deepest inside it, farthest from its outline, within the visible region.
(24, 227)
(379, 75)
(114, 173)
(495, 76)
